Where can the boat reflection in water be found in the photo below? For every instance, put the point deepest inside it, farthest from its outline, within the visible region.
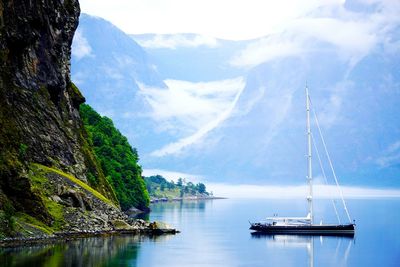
(306, 242)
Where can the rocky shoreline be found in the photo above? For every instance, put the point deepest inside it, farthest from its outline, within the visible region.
(132, 227)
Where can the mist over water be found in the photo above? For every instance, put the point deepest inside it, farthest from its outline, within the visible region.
(246, 191)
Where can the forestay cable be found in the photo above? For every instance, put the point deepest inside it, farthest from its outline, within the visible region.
(330, 162)
(326, 180)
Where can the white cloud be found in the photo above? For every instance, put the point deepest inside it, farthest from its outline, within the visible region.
(282, 192)
(353, 40)
(112, 73)
(352, 34)
(241, 19)
(390, 156)
(236, 20)
(293, 27)
(187, 106)
(178, 146)
(329, 109)
(179, 40)
(80, 46)
(248, 105)
(386, 161)
(173, 175)
(267, 49)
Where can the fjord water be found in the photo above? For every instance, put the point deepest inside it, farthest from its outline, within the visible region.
(215, 233)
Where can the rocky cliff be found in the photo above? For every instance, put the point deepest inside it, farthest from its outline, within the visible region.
(45, 159)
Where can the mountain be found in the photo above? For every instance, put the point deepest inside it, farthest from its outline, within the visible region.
(191, 57)
(270, 123)
(136, 103)
(253, 131)
(356, 105)
(108, 66)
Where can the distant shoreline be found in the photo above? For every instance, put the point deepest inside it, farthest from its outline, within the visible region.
(192, 198)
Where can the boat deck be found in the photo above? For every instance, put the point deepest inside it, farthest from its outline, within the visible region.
(314, 229)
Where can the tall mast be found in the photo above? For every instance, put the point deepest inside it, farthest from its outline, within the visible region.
(309, 175)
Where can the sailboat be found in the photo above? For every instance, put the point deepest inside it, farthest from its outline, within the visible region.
(306, 225)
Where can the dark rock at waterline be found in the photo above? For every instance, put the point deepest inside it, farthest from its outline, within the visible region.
(135, 227)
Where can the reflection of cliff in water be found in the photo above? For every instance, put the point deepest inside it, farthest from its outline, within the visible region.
(181, 205)
(96, 251)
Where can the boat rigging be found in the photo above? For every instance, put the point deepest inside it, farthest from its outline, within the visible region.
(305, 225)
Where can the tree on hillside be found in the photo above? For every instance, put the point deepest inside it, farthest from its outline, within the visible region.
(201, 188)
(118, 159)
(180, 182)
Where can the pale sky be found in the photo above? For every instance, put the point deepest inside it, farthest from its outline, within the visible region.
(226, 19)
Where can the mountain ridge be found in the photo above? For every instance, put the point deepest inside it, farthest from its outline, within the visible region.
(268, 116)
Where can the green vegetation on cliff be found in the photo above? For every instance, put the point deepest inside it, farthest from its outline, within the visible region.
(118, 159)
(50, 177)
(159, 187)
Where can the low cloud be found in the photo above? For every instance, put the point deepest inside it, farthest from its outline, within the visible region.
(80, 46)
(352, 34)
(186, 107)
(329, 109)
(288, 192)
(390, 156)
(178, 146)
(177, 41)
(267, 49)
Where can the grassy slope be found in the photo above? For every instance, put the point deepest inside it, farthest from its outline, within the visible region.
(77, 182)
(27, 225)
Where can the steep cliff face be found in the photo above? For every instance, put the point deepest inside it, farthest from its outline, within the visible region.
(36, 40)
(39, 116)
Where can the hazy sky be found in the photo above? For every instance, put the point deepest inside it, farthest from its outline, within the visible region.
(228, 19)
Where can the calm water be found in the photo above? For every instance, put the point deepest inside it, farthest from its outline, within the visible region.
(215, 233)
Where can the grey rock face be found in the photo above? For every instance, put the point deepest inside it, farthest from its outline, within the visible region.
(39, 106)
(38, 37)
(35, 83)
